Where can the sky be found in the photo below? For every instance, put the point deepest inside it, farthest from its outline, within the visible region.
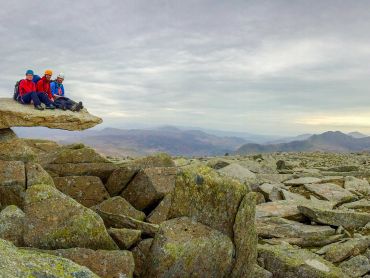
(270, 67)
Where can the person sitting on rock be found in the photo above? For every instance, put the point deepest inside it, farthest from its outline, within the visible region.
(60, 101)
(43, 85)
(28, 93)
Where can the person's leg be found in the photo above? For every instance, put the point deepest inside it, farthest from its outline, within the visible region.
(45, 100)
(26, 99)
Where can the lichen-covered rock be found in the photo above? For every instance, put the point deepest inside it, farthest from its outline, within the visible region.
(54, 220)
(160, 213)
(285, 208)
(245, 238)
(11, 224)
(340, 251)
(105, 263)
(119, 206)
(149, 186)
(183, 248)
(101, 170)
(347, 219)
(276, 227)
(78, 155)
(155, 160)
(330, 192)
(240, 173)
(36, 175)
(124, 221)
(356, 185)
(6, 134)
(259, 272)
(14, 114)
(140, 253)
(87, 190)
(302, 181)
(356, 266)
(285, 261)
(16, 149)
(12, 183)
(120, 178)
(20, 263)
(271, 192)
(125, 238)
(208, 198)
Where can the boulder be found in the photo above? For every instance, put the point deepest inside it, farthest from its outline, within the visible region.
(125, 238)
(105, 263)
(245, 238)
(16, 149)
(285, 208)
(346, 218)
(14, 114)
(119, 206)
(294, 232)
(6, 134)
(271, 191)
(77, 154)
(330, 192)
(140, 253)
(160, 213)
(155, 160)
(290, 196)
(124, 221)
(286, 261)
(11, 225)
(120, 178)
(356, 185)
(12, 183)
(35, 174)
(340, 251)
(87, 190)
(208, 198)
(356, 266)
(149, 187)
(184, 248)
(240, 173)
(100, 169)
(20, 263)
(54, 220)
(302, 181)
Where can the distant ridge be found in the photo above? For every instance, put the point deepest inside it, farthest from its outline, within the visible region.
(332, 141)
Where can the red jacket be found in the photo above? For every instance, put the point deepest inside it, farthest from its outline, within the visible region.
(43, 85)
(26, 86)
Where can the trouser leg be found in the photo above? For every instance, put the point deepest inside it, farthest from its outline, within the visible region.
(44, 99)
(26, 99)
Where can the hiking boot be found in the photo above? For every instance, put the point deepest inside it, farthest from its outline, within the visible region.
(39, 107)
(52, 107)
(74, 107)
(79, 106)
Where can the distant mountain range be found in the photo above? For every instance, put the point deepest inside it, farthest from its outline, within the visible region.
(334, 141)
(137, 142)
(192, 142)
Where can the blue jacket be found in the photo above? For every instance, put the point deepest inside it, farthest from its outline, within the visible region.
(54, 88)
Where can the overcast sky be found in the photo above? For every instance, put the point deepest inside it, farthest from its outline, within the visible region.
(270, 67)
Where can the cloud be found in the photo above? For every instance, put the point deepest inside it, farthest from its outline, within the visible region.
(257, 66)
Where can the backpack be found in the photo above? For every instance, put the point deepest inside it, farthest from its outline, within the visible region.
(36, 78)
(16, 90)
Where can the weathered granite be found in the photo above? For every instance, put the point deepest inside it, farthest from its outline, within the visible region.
(14, 114)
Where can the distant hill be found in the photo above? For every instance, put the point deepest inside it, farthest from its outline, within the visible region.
(334, 141)
(137, 142)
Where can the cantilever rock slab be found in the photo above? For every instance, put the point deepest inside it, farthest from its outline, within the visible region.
(14, 114)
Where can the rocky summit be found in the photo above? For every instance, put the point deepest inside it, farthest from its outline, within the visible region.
(13, 114)
(68, 211)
